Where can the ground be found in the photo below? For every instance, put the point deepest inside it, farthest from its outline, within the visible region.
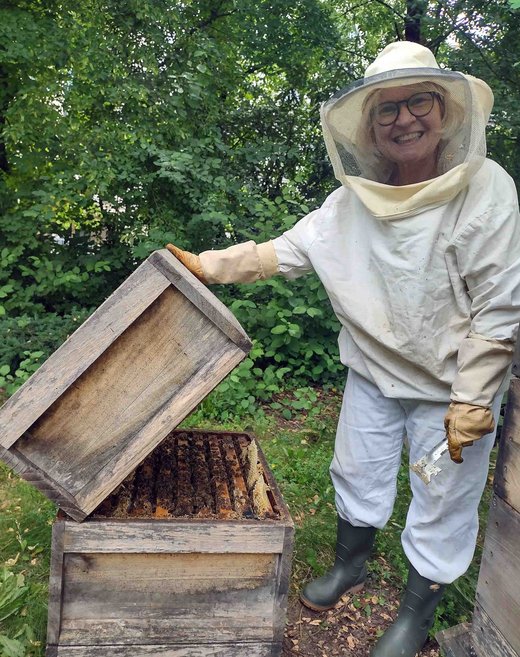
(350, 629)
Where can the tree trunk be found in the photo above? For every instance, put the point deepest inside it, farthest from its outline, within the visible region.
(415, 10)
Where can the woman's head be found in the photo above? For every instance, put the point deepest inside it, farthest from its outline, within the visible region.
(450, 133)
(406, 127)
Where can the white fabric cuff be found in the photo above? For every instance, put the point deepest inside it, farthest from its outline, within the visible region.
(482, 367)
(242, 263)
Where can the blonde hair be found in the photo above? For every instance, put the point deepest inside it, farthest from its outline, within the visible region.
(376, 167)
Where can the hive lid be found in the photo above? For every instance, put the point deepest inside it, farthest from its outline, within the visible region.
(128, 376)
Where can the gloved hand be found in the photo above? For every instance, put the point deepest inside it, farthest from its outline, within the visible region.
(189, 260)
(465, 423)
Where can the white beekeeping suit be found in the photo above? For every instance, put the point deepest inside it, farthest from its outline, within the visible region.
(422, 268)
(418, 274)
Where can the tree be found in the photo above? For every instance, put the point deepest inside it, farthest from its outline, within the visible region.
(126, 125)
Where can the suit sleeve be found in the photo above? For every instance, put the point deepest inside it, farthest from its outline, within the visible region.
(292, 248)
(488, 257)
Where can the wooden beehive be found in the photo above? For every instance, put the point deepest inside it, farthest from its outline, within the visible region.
(108, 396)
(190, 556)
(185, 559)
(495, 629)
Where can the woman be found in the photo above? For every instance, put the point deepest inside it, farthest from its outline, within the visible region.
(419, 251)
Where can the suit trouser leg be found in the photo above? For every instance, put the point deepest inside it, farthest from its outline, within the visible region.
(367, 453)
(442, 522)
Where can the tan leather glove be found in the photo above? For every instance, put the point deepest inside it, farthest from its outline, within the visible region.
(465, 423)
(189, 260)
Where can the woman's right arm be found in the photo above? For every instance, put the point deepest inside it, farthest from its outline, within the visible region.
(249, 262)
(241, 263)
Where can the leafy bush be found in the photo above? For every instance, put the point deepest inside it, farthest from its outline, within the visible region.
(29, 339)
(12, 593)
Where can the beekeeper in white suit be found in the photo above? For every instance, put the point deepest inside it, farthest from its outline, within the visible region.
(419, 251)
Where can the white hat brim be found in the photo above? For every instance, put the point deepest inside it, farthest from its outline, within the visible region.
(343, 114)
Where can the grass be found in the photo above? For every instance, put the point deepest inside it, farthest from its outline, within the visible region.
(299, 454)
(25, 528)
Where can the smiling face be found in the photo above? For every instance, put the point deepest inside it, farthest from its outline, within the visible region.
(410, 142)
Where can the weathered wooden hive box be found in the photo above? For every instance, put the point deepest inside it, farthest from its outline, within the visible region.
(189, 556)
(185, 545)
(495, 630)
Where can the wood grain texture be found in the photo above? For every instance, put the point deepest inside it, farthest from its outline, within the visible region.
(507, 471)
(41, 481)
(498, 588)
(200, 296)
(248, 649)
(223, 358)
(282, 586)
(487, 640)
(456, 641)
(136, 392)
(155, 536)
(105, 631)
(175, 573)
(277, 499)
(177, 586)
(516, 359)
(179, 598)
(55, 584)
(82, 348)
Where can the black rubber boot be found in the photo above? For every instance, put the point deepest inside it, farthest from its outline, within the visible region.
(408, 634)
(353, 547)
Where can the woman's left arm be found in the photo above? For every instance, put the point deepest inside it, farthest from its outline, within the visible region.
(488, 257)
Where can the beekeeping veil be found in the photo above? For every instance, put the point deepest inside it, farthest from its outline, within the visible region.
(346, 123)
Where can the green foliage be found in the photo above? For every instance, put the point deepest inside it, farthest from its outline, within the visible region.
(12, 593)
(28, 340)
(25, 520)
(125, 127)
(128, 127)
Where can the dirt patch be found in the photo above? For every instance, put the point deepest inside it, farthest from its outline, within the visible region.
(196, 474)
(350, 629)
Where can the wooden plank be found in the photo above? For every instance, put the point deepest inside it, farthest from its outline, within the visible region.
(41, 481)
(105, 631)
(507, 472)
(498, 589)
(487, 640)
(157, 536)
(456, 641)
(181, 573)
(277, 500)
(122, 407)
(171, 598)
(246, 649)
(120, 392)
(199, 295)
(516, 359)
(82, 348)
(282, 585)
(55, 584)
(180, 404)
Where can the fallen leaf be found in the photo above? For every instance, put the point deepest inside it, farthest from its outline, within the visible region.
(12, 562)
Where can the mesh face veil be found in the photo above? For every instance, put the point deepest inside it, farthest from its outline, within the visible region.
(348, 128)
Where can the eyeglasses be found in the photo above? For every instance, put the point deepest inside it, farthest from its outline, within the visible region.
(418, 105)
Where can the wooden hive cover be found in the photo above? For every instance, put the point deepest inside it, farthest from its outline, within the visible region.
(130, 374)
